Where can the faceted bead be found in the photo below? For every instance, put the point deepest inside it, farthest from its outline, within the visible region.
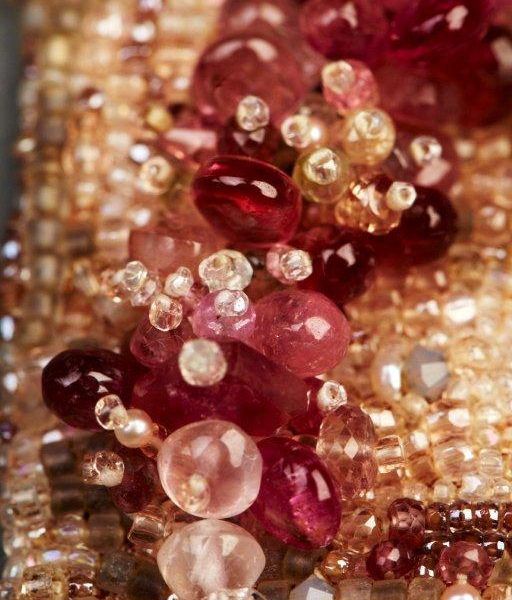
(494, 544)
(407, 522)
(346, 443)
(248, 201)
(258, 15)
(436, 517)
(74, 381)
(302, 330)
(349, 84)
(361, 528)
(301, 511)
(209, 556)
(427, 372)
(465, 558)
(247, 64)
(343, 262)
(338, 564)
(425, 588)
(389, 560)
(313, 588)
(486, 516)
(341, 29)
(210, 469)
(201, 362)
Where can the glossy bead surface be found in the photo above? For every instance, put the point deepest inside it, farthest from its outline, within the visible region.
(461, 591)
(349, 84)
(261, 143)
(465, 558)
(389, 560)
(297, 501)
(407, 521)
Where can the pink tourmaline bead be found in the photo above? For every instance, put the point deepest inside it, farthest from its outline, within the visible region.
(465, 558)
(210, 469)
(247, 64)
(302, 330)
(297, 502)
(389, 560)
(210, 556)
(407, 522)
(346, 444)
(152, 347)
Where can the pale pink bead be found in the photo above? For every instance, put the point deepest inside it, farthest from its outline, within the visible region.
(349, 84)
(210, 556)
(210, 469)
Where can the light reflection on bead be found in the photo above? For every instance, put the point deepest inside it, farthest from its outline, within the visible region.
(165, 313)
(202, 362)
(252, 113)
(226, 269)
(138, 430)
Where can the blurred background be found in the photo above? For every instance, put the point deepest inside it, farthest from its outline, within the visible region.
(9, 75)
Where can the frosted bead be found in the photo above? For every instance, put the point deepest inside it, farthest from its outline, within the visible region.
(226, 269)
(313, 588)
(201, 362)
(179, 283)
(323, 175)
(165, 313)
(400, 196)
(210, 469)
(110, 412)
(252, 113)
(331, 396)
(134, 276)
(209, 556)
(103, 468)
(138, 430)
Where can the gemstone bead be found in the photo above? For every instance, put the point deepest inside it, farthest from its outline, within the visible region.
(74, 381)
(248, 201)
(260, 143)
(297, 501)
(209, 556)
(349, 84)
(389, 560)
(313, 588)
(346, 443)
(461, 591)
(302, 330)
(361, 528)
(407, 522)
(210, 469)
(465, 558)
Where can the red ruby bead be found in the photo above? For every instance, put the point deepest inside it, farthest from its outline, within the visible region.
(248, 201)
(247, 64)
(407, 522)
(465, 558)
(297, 502)
(389, 560)
(74, 380)
(343, 262)
(341, 29)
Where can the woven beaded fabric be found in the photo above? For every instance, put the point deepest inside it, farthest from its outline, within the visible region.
(256, 298)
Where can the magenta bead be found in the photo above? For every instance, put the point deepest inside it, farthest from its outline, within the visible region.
(152, 347)
(465, 558)
(248, 201)
(297, 502)
(301, 330)
(389, 560)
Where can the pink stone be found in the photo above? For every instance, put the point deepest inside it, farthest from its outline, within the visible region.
(360, 89)
(309, 421)
(211, 469)
(210, 556)
(465, 558)
(346, 444)
(247, 64)
(389, 560)
(302, 330)
(297, 502)
(407, 522)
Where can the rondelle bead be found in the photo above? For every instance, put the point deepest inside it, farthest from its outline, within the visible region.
(210, 556)
(211, 469)
(407, 521)
(468, 559)
(301, 330)
(297, 501)
(248, 201)
(389, 560)
(74, 381)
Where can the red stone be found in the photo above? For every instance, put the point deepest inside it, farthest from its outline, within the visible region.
(343, 262)
(309, 421)
(465, 558)
(74, 380)
(341, 29)
(261, 144)
(247, 64)
(407, 522)
(297, 502)
(389, 560)
(301, 330)
(248, 201)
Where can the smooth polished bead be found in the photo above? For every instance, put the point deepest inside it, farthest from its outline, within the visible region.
(461, 591)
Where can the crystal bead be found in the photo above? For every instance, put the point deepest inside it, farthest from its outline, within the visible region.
(110, 412)
(165, 313)
(349, 84)
(427, 372)
(226, 269)
(400, 196)
(103, 468)
(149, 527)
(313, 588)
(179, 283)
(407, 522)
(252, 113)
(465, 558)
(44, 582)
(389, 560)
(331, 396)
(302, 131)
(361, 528)
(134, 276)
(202, 362)
(288, 265)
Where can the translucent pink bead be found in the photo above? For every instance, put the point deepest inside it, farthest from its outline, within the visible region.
(152, 347)
(349, 84)
(302, 330)
(465, 558)
(210, 469)
(210, 556)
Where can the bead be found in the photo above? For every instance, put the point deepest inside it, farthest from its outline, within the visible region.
(209, 556)
(355, 589)
(134, 276)
(313, 588)
(331, 396)
(137, 431)
(301, 131)
(360, 529)
(465, 558)
(301, 330)
(425, 588)
(427, 372)
(407, 522)
(288, 265)
(156, 175)
(103, 468)
(323, 175)
(400, 196)
(248, 201)
(152, 347)
(461, 591)
(349, 84)
(165, 313)
(202, 362)
(389, 560)
(261, 143)
(389, 590)
(252, 113)
(226, 269)
(210, 469)
(110, 412)
(179, 283)
(303, 512)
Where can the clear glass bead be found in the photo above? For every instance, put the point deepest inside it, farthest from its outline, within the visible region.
(178, 284)
(231, 303)
(302, 131)
(202, 362)
(103, 468)
(226, 269)
(252, 113)
(165, 313)
(134, 276)
(425, 149)
(156, 175)
(110, 412)
(331, 396)
(400, 195)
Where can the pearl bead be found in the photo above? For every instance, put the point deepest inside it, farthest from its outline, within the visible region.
(138, 430)
(461, 591)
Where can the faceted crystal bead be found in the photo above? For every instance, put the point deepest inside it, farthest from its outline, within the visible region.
(313, 588)
(465, 558)
(210, 469)
(407, 522)
(202, 362)
(226, 269)
(103, 468)
(346, 443)
(304, 510)
(427, 372)
(389, 560)
(248, 201)
(209, 556)
(361, 528)
(165, 313)
(349, 84)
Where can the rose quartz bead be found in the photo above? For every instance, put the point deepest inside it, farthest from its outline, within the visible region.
(209, 556)
(297, 502)
(302, 330)
(210, 469)
(152, 347)
(465, 558)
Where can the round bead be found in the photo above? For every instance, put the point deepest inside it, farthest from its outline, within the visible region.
(137, 431)
(165, 313)
(74, 381)
(461, 591)
(297, 501)
(202, 362)
(302, 131)
(349, 84)
(210, 469)
(389, 560)
(226, 269)
(407, 521)
(248, 201)
(302, 330)
(465, 558)
(252, 113)
(209, 556)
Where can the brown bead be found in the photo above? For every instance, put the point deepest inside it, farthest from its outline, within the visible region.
(495, 544)
(467, 535)
(435, 543)
(426, 565)
(506, 516)
(460, 515)
(486, 516)
(436, 517)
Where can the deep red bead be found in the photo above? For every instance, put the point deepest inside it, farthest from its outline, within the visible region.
(407, 522)
(74, 380)
(495, 544)
(248, 201)
(343, 262)
(247, 64)
(309, 421)
(297, 502)
(389, 560)
(465, 558)
(261, 144)
(340, 29)
(486, 516)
